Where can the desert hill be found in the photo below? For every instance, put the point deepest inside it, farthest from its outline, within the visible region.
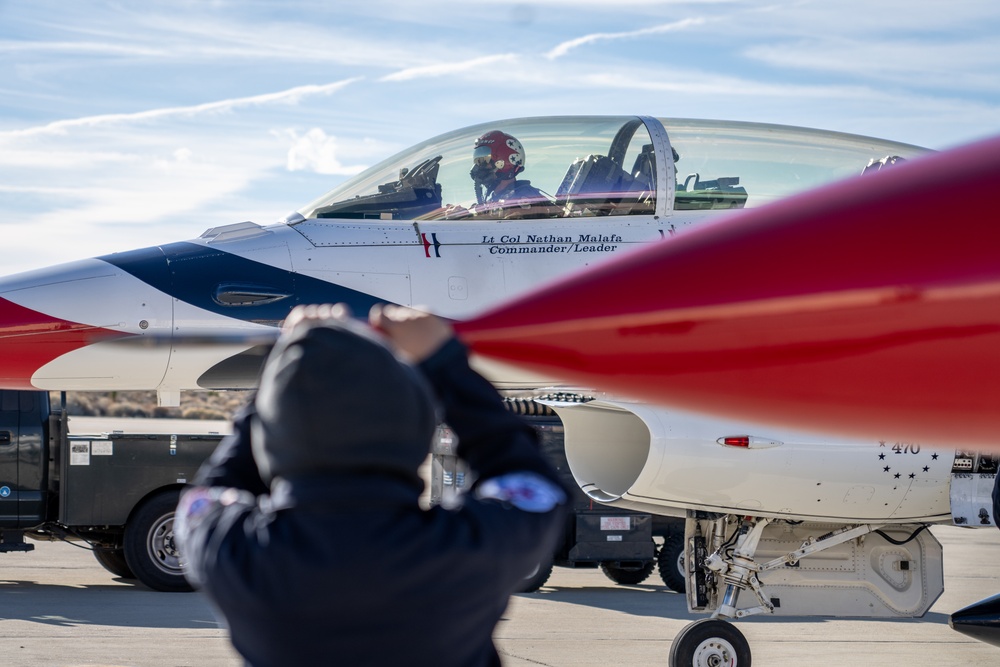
(194, 404)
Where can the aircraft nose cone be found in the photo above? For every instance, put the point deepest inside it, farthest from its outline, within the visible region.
(29, 339)
(980, 620)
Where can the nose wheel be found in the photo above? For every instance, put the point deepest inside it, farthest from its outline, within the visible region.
(710, 643)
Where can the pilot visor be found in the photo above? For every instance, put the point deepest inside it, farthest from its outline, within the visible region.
(482, 156)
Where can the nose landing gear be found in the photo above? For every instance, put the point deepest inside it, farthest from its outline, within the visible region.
(710, 643)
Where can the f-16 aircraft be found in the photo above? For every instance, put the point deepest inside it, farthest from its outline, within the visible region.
(803, 524)
(418, 228)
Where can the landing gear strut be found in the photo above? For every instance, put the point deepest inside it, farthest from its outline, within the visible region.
(721, 565)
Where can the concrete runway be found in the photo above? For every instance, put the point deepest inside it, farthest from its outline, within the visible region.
(59, 607)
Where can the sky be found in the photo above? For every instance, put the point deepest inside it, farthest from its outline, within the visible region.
(126, 125)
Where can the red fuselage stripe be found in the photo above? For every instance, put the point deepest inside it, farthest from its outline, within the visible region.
(30, 339)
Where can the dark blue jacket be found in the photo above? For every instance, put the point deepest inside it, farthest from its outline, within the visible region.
(348, 569)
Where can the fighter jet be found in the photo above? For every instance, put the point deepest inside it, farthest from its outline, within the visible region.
(446, 224)
(469, 220)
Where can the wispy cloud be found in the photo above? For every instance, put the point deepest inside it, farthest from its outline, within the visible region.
(969, 63)
(289, 96)
(79, 48)
(704, 83)
(444, 69)
(316, 151)
(565, 47)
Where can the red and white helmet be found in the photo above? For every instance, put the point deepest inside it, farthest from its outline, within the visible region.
(499, 152)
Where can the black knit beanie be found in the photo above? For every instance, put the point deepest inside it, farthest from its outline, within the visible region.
(334, 398)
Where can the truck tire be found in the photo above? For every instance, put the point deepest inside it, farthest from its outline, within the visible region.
(113, 560)
(149, 545)
(670, 562)
(628, 576)
(536, 579)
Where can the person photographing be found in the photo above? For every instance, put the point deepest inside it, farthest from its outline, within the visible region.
(304, 528)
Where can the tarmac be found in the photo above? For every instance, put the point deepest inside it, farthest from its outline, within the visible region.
(59, 607)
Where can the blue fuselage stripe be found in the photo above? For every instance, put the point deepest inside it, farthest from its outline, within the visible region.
(193, 274)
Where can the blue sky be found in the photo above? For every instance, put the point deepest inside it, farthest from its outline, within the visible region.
(127, 124)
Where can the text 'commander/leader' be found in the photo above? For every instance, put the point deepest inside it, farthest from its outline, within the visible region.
(304, 527)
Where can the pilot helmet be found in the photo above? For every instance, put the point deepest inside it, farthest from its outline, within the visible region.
(496, 157)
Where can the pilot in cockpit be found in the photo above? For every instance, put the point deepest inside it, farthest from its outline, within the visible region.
(498, 158)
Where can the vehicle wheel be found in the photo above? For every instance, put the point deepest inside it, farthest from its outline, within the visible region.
(628, 576)
(670, 562)
(149, 544)
(113, 560)
(710, 643)
(536, 579)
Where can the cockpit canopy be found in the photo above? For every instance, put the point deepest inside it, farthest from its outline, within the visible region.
(601, 165)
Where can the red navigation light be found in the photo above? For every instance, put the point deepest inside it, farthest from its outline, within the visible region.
(736, 441)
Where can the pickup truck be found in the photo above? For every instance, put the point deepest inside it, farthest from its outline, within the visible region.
(113, 493)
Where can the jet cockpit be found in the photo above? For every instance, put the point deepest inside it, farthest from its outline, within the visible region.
(586, 166)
